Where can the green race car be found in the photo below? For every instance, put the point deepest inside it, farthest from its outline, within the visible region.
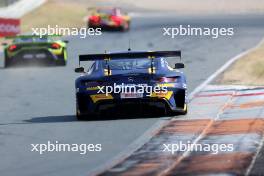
(31, 49)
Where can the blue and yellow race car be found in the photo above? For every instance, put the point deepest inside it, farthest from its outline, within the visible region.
(130, 81)
(33, 49)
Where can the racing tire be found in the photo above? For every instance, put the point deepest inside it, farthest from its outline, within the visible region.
(61, 59)
(173, 113)
(125, 27)
(184, 112)
(6, 61)
(85, 117)
(80, 117)
(128, 26)
(91, 26)
(6, 64)
(176, 113)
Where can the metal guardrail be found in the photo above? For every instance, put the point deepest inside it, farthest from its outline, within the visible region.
(5, 3)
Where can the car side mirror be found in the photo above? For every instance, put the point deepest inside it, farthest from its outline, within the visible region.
(179, 65)
(79, 70)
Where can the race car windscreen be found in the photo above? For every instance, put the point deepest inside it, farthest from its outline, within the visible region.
(114, 12)
(129, 64)
(106, 11)
(30, 39)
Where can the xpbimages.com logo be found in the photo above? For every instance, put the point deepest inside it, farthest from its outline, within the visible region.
(132, 88)
(66, 31)
(62, 147)
(188, 30)
(197, 147)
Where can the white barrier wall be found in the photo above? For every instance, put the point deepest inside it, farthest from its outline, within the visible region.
(20, 8)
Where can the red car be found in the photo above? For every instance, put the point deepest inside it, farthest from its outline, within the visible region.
(109, 18)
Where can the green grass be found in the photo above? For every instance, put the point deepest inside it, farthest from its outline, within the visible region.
(248, 70)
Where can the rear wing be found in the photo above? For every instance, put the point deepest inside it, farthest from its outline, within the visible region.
(129, 55)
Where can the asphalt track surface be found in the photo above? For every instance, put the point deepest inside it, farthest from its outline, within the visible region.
(37, 104)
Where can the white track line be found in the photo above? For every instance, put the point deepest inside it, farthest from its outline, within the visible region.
(255, 157)
(203, 133)
(132, 147)
(158, 125)
(221, 69)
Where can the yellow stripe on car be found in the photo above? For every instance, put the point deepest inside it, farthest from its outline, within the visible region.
(98, 97)
(185, 107)
(166, 85)
(150, 71)
(166, 95)
(106, 73)
(92, 88)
